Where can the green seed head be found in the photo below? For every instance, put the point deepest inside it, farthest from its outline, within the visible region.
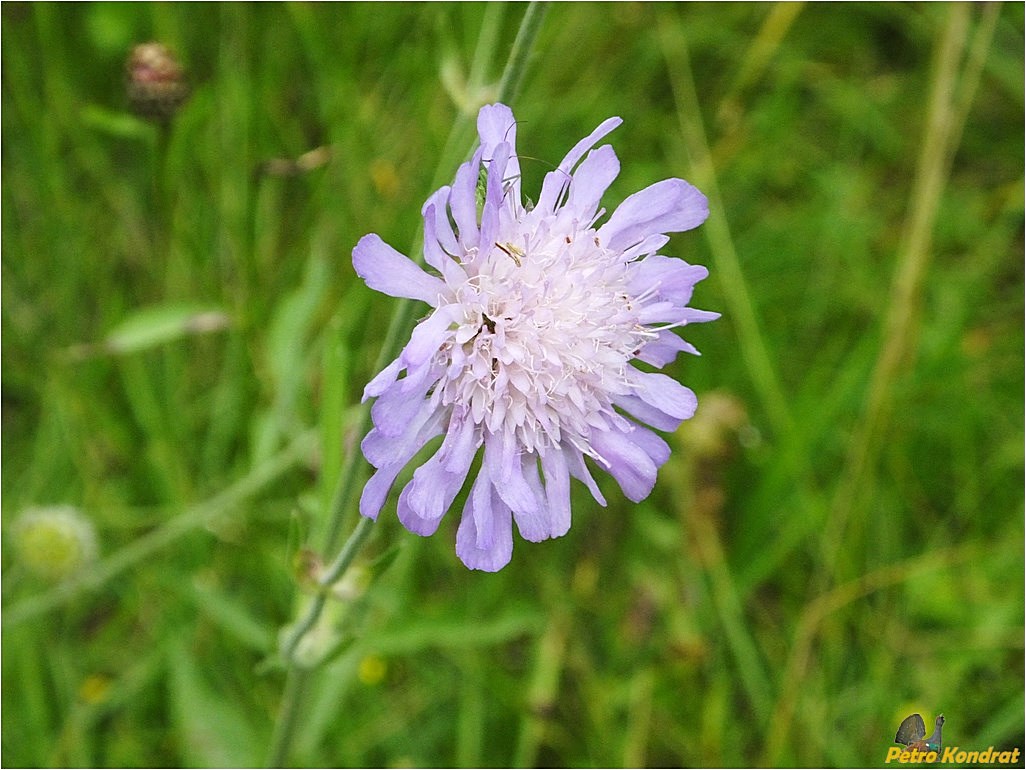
(54, 542)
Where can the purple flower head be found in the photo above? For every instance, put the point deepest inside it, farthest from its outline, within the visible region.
(537, 315)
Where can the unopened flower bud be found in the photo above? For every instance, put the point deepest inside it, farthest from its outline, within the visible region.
(54, 542)
(156, 83)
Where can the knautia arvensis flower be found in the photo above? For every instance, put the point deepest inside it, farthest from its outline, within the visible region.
(538, 315)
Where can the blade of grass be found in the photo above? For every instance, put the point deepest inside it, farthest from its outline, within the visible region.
(742, 645)
(940, 134)
(754, 351)
(542, 690)
(470, 723)
(774, 28)
(750, 667)
(639, 718)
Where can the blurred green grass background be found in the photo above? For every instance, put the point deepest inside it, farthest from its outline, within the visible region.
(836, 542)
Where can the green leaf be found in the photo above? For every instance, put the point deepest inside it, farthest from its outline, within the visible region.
(155, 326)
(118, 124)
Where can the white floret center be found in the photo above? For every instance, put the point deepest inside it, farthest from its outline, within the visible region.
(546, 335)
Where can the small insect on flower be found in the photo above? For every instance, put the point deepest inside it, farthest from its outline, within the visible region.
(514, 253)
(527, 356)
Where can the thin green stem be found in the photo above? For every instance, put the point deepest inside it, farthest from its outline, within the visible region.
(523, 45)
(331, 575)
(775, 26)
(284, 727)
(488, 41)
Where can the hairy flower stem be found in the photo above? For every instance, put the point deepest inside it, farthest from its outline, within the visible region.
(348, 483)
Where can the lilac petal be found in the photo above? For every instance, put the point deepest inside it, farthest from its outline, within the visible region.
(651, 444)
(437, 205)
(591, 180)
(501, 455)
(436, 483)
(484, 539)
(461, 442)
(496, 125)
(664, 349)
(412, 520)
(505, 467)
(662, 312)
(463, 202)
(557, 490)
(695, 316)
(670, 313)
(434, 253)
(673, 279)
(578, 469)
(392, 456)
(664, 393)
(484, 497)
(381, 449)
(411, 389)
(383, 380)
(395, 411)
(429, 335)
(556, 181)
(376, 490)
(386, 270)
(427, 497)
(646, 413)
(575, 154)
(670, 206)
(628, 463)
(533, 478)
(494, 195)
(522, 497)
(420, 377)
(649, 245)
